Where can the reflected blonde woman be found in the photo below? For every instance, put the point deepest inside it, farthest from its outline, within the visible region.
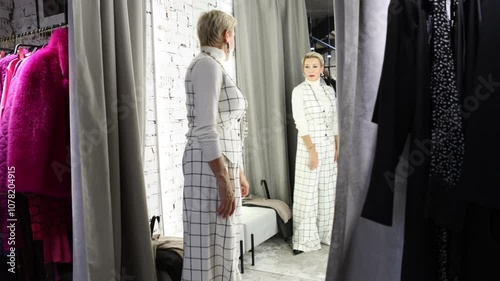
(315, 113)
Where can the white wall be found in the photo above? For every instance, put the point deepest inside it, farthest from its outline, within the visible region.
(171, 44)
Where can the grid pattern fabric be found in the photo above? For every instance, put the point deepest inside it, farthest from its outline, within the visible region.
(211, 243)
(314, 190)
(211, 248)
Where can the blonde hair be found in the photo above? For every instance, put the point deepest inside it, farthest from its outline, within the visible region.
(212, 25)
(312, 55)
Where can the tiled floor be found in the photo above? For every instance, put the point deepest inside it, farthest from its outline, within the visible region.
(274, 261)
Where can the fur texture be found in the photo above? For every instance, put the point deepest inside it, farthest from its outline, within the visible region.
(4, 62)
(35, 124)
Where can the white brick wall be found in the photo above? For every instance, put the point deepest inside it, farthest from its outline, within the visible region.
(172, 44)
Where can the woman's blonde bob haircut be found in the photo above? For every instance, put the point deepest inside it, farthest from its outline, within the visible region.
(212, 25)
(312, 55)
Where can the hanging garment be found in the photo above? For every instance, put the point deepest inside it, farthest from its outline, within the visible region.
(215, 107)
(4, 168)
(480, 181)
(4, 63)
(314, 109)
(35, 126)
(447, 130)
(479, 186)
(50, 224)
(42, 94)
(10, 72)
(403, 114)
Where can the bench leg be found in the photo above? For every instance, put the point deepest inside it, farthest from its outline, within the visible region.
(241, 257)
(253, 251)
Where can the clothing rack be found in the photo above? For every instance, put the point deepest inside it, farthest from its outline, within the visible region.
(322, 43)
(32, 32)
(25, 45)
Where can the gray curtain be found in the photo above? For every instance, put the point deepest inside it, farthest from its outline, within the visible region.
(271, 39)
(361, 249)
(110, 224)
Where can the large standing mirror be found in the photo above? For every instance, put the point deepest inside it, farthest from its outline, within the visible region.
(272, 38)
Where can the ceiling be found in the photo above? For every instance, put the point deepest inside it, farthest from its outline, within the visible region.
(319, 8)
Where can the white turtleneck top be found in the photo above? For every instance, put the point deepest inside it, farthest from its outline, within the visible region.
(299, 114)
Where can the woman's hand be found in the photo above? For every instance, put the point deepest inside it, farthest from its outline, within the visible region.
(244, 186)
(227, 203)
(313, 159)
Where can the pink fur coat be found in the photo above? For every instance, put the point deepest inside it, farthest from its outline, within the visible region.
(35, 124)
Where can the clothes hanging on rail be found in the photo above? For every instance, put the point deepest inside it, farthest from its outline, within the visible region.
(480, 183)
(402, 112)
(34, 125)
(42, 92)
(456, 208)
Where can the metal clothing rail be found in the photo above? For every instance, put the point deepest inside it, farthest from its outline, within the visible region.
(32, 32)
(322, 42)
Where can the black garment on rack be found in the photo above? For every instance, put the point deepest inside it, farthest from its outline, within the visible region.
(402, 112)
(480, 185)
(470, 210)
(402, 107)
(481, 181)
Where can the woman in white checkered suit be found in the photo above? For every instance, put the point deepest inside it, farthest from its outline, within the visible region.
(315, 113)
(214, 181)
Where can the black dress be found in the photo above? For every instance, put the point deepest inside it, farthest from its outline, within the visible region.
(403, 112)
(480, 184)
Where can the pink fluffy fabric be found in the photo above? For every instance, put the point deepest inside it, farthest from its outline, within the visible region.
(4, 62)
(34, 139)
(38, 121)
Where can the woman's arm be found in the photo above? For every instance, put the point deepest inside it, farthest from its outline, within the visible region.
(299, 116)
(207, 82)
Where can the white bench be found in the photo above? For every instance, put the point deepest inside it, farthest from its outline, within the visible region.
(258, 225)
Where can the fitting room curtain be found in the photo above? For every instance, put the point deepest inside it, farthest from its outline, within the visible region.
(361, 249)
(271, 39)
(110, 223)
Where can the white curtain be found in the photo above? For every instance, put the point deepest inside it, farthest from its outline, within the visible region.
(110, 224)
(271, 39)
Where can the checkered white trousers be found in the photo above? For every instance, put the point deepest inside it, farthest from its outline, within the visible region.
(314, 196)
(211, 248)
